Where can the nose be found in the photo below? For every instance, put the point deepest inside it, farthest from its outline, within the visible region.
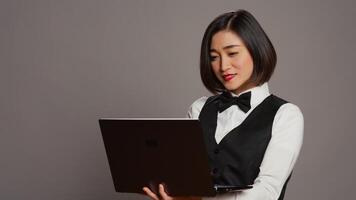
(224, 64)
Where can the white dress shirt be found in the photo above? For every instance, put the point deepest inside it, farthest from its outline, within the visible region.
(282, 150)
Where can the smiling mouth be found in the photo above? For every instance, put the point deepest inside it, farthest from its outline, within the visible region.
(229, 77)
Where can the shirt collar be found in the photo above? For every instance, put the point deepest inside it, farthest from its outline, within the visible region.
(258, 94)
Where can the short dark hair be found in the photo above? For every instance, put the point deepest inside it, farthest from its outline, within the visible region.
(242, 23)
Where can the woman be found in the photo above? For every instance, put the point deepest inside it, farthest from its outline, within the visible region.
(253, 137)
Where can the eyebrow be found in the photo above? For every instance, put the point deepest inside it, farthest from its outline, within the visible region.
(227, 47)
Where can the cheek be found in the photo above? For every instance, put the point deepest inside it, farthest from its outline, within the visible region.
(215, 68)
(246, 66)
(249, 67)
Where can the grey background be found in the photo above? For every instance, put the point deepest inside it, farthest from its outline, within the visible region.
(66, 63)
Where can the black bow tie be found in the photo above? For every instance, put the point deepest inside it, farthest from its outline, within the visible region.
(226, 100)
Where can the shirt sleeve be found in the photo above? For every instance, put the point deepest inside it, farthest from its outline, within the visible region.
(279, 159)
(195, 108)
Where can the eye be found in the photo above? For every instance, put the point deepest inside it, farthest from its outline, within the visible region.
(212, 58)
(233, 53)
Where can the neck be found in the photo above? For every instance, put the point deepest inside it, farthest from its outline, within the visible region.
(243, 88)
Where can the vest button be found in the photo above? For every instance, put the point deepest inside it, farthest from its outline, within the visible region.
(216, 151)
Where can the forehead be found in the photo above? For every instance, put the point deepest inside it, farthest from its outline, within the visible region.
(225, 38)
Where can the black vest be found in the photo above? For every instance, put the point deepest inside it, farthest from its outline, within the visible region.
(238, 156)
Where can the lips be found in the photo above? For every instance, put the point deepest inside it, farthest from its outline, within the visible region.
(228, 77)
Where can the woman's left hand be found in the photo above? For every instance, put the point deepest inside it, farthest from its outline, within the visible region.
(164, 195)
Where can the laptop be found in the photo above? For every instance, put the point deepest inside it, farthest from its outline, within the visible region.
(149, 151)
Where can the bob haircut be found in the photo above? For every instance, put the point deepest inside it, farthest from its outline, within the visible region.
(242, 23)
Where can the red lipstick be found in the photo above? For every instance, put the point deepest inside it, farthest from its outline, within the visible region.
(229, 77)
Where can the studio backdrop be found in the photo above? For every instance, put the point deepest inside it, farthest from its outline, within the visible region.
(65, 64)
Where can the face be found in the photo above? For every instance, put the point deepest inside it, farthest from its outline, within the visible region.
(231, 61)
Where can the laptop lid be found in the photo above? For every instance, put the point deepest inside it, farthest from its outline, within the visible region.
(148, 151)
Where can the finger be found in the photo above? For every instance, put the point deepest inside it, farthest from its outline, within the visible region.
(163, 193)
(150, 193)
